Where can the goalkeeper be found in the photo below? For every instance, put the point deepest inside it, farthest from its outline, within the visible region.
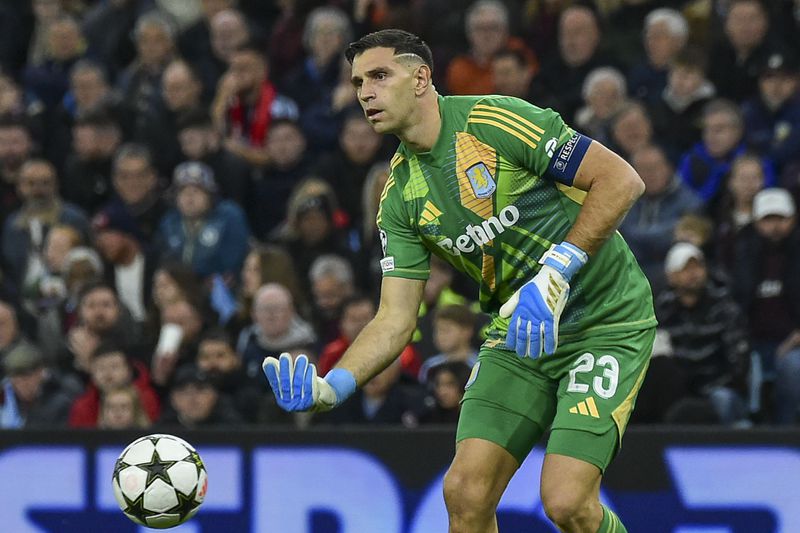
(507, 193)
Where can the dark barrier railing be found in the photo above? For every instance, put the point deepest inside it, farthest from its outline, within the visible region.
(389, 481)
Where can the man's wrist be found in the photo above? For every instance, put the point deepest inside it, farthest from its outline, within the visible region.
(565, 258)
(342, 382)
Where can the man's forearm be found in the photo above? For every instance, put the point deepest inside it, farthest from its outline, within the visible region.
(378, 344)
(612, 191)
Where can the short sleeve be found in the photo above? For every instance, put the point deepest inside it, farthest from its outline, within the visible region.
(535, 139)
(404, 255)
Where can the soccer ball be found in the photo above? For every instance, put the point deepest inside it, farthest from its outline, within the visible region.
(159, 481)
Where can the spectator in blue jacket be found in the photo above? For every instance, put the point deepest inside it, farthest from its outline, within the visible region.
(705, 167)
(206, 233)
(648, 227)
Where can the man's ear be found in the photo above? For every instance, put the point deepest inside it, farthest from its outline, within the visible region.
(422, 79)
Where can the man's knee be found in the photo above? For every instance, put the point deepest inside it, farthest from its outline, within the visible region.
(565, 508)
(469, 491)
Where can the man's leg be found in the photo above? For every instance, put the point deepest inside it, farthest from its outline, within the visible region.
(571, 493)
(474, 484)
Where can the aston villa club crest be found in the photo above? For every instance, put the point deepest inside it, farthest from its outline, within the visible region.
(481, 179)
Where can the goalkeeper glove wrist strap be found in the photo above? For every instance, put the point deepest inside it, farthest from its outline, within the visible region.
(565, 258)
(342, 382)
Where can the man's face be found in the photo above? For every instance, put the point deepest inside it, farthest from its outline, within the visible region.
(487, 32)
(661, 44)
(88, 87)
(747, 178)
(685, 80)
(359, 141)
(37, 184)
(64, 40)
(133, 179)
(193, 202)
(228, 32)
(354, 318)
(329, 293)
(110, 371)
(99, 310)
(119, 411)
(746, 25)
(285, 145)
(197, 142)
(27, 386)
(273, 313)
(691, 278)
(194, 402)
(248, 69)
(154, 45)
(775, 228)
(15, 147)
(217, 357)
(654, 169)
(447, 389)
(180, 89)
(721, 133)
(511, 78)
(605, 98)
(578, 36)
(449, 336)
(777, 87)
(632, 131)
(385, 88)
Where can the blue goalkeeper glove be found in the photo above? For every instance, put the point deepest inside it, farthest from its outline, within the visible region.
(298, 388)
(536, 307)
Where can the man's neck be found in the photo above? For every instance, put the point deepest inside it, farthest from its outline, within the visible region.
(425, 125)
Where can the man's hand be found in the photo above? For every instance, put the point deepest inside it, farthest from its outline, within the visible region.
(536, 307)
(298, 388)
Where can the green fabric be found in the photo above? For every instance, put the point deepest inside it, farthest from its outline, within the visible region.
(583, 392)
(611, 522)
(480, 200)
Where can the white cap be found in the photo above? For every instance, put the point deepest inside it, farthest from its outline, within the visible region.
(679, 255)
(773, 201)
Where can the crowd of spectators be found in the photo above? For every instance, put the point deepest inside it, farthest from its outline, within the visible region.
(187, 187)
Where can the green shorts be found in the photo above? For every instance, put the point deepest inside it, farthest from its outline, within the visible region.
(585, 393)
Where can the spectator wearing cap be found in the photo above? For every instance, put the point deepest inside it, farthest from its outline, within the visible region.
(196, 403)
(773, 114)
(111, 368)
(202, 231)
(200, 141)
(32, 395)
(129, 267)
(710, 353)
(767, 285)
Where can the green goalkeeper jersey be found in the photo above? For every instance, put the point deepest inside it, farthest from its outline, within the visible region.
(490, 198)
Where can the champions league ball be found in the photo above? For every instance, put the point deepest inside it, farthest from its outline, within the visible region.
(159, 481)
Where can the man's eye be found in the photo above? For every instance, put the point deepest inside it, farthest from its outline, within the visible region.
(380, 76)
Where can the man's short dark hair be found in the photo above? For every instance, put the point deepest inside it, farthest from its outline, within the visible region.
(216, 335)
(401, 41)
(517, 55)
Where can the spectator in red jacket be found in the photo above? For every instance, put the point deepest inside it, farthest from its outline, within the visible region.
(110, 369)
